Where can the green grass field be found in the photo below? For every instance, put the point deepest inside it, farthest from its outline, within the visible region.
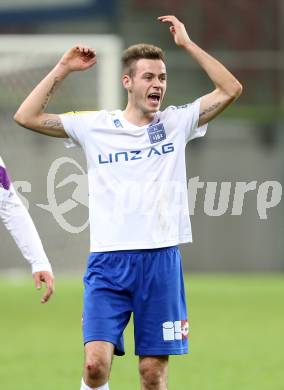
(237, 342)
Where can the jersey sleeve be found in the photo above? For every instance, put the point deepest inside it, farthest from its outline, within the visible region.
(188, 118)
(19, 223)
(76, 124)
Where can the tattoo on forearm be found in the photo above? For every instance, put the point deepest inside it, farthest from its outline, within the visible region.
(53, 123)
(210, 109)
(49, 94)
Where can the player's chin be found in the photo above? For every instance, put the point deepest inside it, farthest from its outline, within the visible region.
(154, 110)
(154, 107)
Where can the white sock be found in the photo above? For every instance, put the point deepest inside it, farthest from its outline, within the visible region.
(85, 387)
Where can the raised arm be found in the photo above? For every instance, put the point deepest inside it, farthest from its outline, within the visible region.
(31, 113)
(227, 87)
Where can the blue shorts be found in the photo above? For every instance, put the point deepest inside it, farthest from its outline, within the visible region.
(147, 283)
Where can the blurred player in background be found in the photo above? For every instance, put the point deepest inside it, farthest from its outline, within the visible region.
(18, 222)
(138, 202)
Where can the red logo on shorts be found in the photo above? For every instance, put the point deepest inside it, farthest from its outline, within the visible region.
(184, 329)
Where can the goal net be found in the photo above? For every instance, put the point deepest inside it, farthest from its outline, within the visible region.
(26, 59)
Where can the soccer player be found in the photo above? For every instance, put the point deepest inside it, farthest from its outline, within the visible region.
(138, 202)
(18, 222)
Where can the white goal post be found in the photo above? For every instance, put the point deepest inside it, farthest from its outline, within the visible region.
(24, 54)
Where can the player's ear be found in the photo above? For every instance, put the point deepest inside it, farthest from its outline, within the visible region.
(126, 81)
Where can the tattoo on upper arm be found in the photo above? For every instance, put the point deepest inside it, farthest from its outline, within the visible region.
(49, 94)
(210, 109)
(53, 123)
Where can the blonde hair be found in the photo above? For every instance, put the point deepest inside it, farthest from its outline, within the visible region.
(137, 52)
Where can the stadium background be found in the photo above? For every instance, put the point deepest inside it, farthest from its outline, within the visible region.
(244, 144)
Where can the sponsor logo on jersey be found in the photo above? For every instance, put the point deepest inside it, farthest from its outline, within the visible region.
(123, 156)
(183, 106)
(156, 133)
(175, 330)
(117, 123)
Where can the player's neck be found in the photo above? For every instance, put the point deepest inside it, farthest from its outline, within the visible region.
(137, 117)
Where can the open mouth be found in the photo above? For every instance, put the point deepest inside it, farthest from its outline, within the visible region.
(154, 97)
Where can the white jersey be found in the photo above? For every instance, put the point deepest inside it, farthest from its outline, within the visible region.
(137, 176)
(19, 223)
